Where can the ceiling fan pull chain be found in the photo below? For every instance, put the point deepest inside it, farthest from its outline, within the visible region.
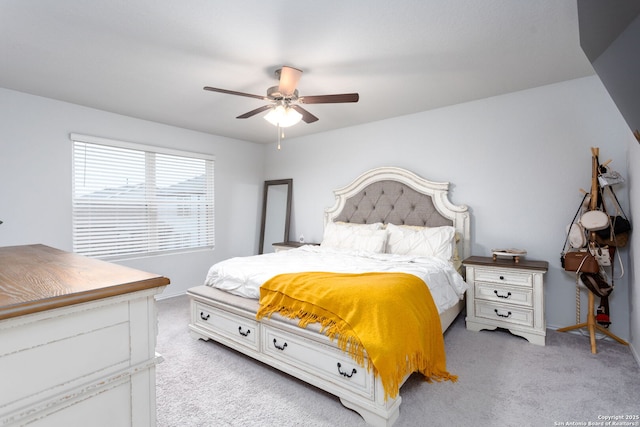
(278, 136)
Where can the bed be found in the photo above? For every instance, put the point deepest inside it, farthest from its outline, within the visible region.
(405, 207)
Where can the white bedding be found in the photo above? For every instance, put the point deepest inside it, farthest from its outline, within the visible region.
(243, 276)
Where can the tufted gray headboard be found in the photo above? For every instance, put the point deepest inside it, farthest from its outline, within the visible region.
(391, 202)
(398, 196)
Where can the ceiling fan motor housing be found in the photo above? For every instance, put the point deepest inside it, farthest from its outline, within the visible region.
(274, 93)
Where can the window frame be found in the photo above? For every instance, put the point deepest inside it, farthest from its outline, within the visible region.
(152, 219)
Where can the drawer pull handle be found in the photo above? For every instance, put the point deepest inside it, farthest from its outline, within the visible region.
(502, 315)
(244, 334)
(495, 291)
(203, 317)
(281, 348)
(346, 374)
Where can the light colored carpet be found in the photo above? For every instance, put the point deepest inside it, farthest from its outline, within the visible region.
(503, 381)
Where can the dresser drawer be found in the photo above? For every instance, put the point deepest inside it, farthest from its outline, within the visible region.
(239, 329)
(504, 313)
(323, 361)
(43, 354)
(509, 277)
(507, 294)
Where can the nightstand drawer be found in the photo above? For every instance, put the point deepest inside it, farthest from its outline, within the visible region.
(504, 313)
(508, 277)
(506, 294)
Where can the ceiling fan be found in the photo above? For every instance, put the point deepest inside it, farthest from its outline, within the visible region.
(284, 101)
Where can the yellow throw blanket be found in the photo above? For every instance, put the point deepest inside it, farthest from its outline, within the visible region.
(391, 316)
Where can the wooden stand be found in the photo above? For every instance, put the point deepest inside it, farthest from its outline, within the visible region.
(591, 323)
(592, 326)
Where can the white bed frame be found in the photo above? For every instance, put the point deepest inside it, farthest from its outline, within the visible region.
(306, 353)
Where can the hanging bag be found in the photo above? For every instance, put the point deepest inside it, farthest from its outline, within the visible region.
(617, 233)
(608, 177)
(580, 261)
(594, 220)
(596, 284)
(576, 235)
(573, 260)
(602, 254)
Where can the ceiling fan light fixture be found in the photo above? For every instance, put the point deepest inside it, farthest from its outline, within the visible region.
(283, 116)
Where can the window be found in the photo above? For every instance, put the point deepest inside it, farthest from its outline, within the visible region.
(131, 199)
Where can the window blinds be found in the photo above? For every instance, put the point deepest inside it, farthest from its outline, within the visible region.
(131, 199)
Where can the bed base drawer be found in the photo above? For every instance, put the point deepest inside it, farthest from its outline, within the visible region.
(323, 361)
(239, 329)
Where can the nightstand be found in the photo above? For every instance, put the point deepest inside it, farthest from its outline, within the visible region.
(285, 246)
(506, 294)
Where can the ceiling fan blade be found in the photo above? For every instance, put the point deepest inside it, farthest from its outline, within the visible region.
(233, 92)
(254, 112)
(289, 78)
(330, 99)
(307, 117)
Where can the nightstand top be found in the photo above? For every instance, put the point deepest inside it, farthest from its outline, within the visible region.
(524, 264)
(292, 244)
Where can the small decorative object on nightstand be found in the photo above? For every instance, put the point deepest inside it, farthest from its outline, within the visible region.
(285, 246)
(506, 294)
(514, 254)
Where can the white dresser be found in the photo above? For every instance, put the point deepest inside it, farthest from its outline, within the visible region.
(77, 340)
(506, 294)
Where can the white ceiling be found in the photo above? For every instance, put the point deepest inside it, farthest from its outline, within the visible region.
(151, 58)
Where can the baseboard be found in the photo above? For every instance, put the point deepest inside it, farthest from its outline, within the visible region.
(163, 296)
(635, 353)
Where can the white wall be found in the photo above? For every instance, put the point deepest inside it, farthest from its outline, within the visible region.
(618, 67)
(633, 160)
(35, 180)
(517, 160)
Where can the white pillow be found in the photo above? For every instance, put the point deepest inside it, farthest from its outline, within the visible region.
(426, 241)
(372, 226)
(361, 237)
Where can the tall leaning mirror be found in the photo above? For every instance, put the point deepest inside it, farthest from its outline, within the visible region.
(276, 213)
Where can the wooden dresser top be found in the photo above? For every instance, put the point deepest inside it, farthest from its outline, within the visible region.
(36, 278)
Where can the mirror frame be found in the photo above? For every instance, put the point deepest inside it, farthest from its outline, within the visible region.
(287, 220)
